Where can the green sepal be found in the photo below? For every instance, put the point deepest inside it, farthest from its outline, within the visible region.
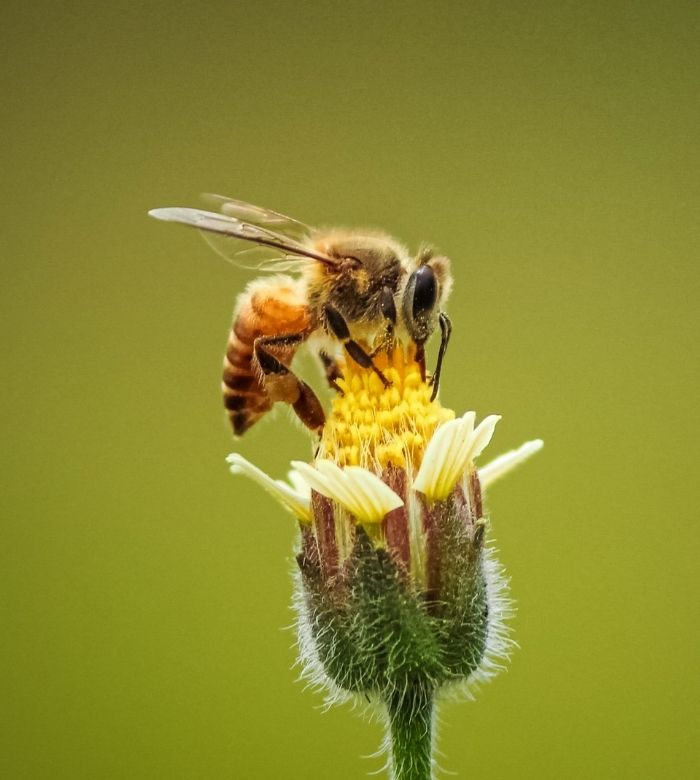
(376, 634)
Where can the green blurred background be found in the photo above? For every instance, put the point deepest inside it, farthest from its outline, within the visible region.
(551, 149)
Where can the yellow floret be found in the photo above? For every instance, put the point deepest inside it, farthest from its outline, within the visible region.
(373, 426)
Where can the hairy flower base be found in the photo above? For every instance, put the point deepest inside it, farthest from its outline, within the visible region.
(399, 599)
(375, 631)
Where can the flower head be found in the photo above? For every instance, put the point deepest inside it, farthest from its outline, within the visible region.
(399, 596)
(374, 426)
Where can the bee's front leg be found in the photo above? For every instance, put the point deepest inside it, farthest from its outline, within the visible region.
(281, 383)
(420, 358)
(339, 328)
(389, 311)
(445, 332)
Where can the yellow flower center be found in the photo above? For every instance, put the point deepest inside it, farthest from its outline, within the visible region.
(373, 426)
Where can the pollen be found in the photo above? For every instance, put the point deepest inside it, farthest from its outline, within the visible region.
(373, 426)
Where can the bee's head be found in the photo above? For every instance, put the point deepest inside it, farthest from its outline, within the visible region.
(425, 293)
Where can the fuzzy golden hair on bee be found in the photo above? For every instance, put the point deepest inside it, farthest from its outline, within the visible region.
(341, 242)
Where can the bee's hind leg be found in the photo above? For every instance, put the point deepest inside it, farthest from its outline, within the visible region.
(281, 383)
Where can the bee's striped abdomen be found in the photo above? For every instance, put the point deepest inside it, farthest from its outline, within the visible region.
(270, 307)
(245, 399)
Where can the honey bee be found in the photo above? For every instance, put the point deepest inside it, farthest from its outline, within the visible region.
(354, 291)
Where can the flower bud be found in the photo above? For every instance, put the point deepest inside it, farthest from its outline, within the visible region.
(397, 587)
(399, 597)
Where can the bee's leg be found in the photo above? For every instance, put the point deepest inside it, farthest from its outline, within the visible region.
(340, 330)
(445, 332)
(332, 370)
(389, 311)
(281, 383)
(385, 344)
(420, 358)
(388, 308)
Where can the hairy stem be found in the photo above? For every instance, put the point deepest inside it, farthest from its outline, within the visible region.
(411, 733)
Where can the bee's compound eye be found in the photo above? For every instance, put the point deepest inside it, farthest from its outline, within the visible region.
(425, 290)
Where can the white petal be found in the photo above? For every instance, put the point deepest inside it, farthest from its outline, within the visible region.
(482, 435)
(459, 464)
(453, 446)
(507, 462)
(433, 464)
(313, 478)
(297, 503)
(377, 496)
(298, 483)
(358, 490)
(328, 480)
(338, 483)
(451, 458)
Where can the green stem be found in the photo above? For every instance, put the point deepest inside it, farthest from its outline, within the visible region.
(411, 733)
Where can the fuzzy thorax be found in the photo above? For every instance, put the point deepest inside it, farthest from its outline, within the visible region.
(374, 426)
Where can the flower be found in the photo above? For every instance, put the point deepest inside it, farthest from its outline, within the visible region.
(399, 598)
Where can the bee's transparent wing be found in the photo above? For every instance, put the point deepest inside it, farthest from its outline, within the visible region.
(261, 257)
(233, 230)
(256, 258)
(256, 215)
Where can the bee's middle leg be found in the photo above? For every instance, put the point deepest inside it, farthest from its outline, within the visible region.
(332, 371)
(336, 322)
(281, 383)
